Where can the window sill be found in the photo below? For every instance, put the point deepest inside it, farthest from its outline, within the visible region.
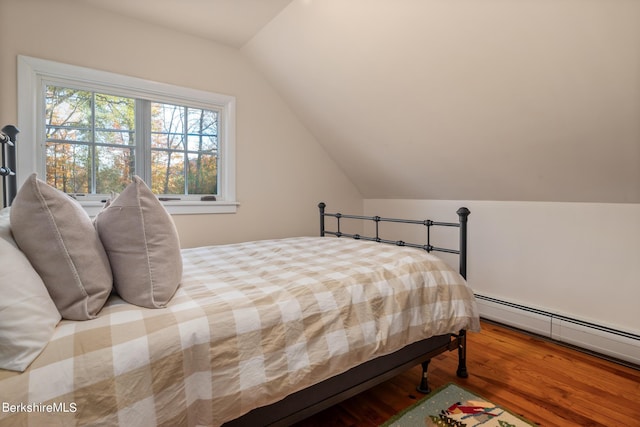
(178, 207)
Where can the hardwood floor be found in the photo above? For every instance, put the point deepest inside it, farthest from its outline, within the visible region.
(546, 383)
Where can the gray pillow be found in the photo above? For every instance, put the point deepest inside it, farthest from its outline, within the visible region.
(143, 246)
(58, 238)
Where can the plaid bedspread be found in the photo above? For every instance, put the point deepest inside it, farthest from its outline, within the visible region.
(250, 324)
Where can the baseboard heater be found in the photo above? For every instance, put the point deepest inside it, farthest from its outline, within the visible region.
(622, 346)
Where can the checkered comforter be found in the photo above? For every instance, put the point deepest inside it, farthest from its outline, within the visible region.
(250, 324)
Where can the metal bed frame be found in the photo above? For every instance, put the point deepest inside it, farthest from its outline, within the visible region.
(309, 401)
(8, 167)
(463, 214)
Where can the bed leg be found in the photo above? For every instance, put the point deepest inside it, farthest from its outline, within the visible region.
(462, 355)
(424, 381)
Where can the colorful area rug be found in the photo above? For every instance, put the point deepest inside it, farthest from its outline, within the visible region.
(452, 405)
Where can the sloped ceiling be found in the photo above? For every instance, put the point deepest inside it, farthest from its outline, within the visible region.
(466, 99)
(447, 99)
(230, 22)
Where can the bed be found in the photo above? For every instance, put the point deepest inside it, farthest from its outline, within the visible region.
(7, 168)
(257, 333)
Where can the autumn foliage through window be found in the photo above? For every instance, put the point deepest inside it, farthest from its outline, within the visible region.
(96, 142)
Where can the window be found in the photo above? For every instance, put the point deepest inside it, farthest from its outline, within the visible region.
(92, 131)
(91, 144)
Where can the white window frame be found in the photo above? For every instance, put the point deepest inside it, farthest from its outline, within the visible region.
(34, 73)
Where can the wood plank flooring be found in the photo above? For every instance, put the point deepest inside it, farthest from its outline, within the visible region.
(546, 383)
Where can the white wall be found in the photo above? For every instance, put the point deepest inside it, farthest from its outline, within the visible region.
(282, 171)
(575, 259)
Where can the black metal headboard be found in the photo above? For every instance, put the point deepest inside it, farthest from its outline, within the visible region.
(463, 214)
(8, 167)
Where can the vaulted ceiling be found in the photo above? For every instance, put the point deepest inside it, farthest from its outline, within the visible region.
(447, 99)
(230, 22)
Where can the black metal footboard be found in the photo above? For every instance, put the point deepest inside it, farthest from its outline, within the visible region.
(463, 214)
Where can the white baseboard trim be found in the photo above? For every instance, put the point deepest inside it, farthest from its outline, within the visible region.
(596, 338)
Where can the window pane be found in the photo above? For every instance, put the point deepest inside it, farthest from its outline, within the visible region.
(203, 122)
(66, 133)
(202, 143)
(115, 137)
(169, 141)
(167, 126)
(166, 118)
(68, 114)
(167, 172)
(114, 169)
(115, 119)
(68, 167)
(203, 174)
